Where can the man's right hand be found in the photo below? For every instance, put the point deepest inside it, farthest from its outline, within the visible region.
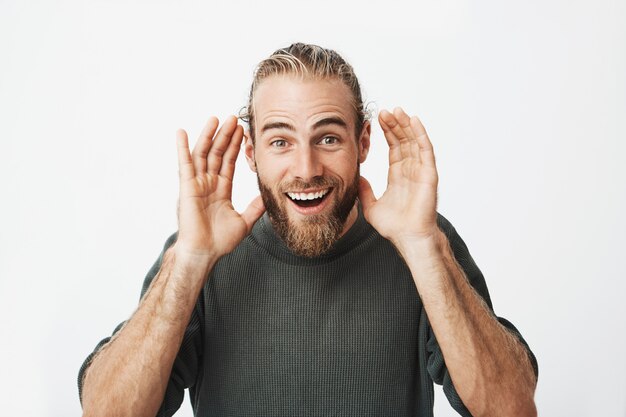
(208, 224)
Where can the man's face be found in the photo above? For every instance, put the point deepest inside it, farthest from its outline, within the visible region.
(307, 159)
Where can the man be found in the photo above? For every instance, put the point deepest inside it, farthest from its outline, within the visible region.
(325, 305)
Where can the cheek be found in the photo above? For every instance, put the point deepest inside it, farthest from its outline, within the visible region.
(270, 171)
(272, 181)
(272, 160)
(346, 170)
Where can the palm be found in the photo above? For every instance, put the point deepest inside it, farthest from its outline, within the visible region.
(208, 222)
(407, 207)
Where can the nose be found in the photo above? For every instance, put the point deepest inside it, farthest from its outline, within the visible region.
(306, 164)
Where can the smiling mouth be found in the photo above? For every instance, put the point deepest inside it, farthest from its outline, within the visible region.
(310, 199)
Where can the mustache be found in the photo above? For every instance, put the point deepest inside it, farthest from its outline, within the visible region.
(315, 182)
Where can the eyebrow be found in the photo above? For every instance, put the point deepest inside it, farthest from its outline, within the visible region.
(277, 125)
(330, 121)
(320, 123)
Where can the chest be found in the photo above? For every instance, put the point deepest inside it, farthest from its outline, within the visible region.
(338, 334)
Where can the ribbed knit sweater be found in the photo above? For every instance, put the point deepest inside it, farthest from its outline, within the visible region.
(345, 334)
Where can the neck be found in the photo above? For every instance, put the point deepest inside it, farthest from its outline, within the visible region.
(354, 212)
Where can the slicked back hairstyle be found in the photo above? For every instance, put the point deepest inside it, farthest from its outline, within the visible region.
(307, 61)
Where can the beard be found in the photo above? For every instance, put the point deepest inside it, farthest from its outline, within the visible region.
(315, 234)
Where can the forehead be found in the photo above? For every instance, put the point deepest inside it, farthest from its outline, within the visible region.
(302, 101)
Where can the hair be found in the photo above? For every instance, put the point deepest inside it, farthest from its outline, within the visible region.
(307, 61)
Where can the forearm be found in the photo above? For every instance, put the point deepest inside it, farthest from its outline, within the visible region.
(488, 365)
(130, 374)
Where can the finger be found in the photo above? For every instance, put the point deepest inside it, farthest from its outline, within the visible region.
(230, 156)
(395, 153)
(395, 134)
(201, 149)
(185, 166)
(366, 194)
(397, 124)
(410, 146)
(427, 154)
(220, 144)
(252, 213)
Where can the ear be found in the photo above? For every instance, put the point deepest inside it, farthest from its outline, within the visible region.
(364, 141)
(249, 151)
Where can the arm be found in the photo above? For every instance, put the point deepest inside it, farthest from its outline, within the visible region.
(488, 365)
(130, 373)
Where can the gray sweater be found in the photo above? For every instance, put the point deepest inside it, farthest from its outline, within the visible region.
(346, 334)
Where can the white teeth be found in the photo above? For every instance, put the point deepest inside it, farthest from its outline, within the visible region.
(308, 196)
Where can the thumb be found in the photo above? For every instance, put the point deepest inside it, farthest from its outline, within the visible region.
(366, 194)
(252, 213)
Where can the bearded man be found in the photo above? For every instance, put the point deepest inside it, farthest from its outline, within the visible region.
(333, 302)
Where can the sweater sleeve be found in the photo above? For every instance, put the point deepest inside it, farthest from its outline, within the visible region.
(435, 363)
(187, 362)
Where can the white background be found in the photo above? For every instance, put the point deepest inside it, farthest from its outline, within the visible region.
(524, 102)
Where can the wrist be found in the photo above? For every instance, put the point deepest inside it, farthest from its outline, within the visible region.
(191, 260)
(422, 246)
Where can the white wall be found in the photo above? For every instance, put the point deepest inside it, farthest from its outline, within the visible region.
(524, 102)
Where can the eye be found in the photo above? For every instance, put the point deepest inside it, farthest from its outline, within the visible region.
(329, 140)
(278, 143)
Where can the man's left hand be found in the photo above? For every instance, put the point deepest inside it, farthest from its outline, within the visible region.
(406, 212)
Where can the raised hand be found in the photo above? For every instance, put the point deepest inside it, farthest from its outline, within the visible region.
(207, 221)
(406, 211)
